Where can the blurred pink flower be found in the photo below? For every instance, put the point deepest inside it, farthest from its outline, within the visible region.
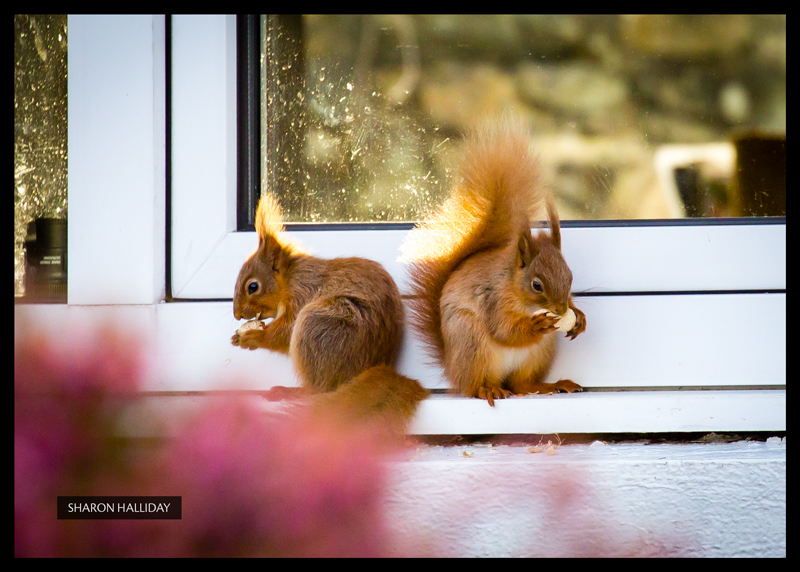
(65, 407)
(255, 485)
(251, 484)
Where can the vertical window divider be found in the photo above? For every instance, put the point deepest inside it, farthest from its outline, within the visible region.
(248, 110)
(168, 158)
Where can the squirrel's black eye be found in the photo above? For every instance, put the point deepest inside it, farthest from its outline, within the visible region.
(252, 287)
(537, 286)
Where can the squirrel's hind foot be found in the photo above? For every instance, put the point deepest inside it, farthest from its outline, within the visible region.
(492, 393)
(541, 388)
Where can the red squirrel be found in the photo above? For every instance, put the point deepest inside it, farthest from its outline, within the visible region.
(487, 293)
(340, 321)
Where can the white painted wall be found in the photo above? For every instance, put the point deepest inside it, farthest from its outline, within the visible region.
(715, 500)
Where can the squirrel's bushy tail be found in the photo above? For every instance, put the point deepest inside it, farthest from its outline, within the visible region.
(494, 200)
(379, 396)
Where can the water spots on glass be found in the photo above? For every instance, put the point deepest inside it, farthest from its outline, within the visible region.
(356, 157)
(386, 97)
(40, 125)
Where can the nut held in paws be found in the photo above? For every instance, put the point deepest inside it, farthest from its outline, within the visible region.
(251, 325)
(565, 323)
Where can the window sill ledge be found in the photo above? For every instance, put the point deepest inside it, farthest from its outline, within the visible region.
(622, 412)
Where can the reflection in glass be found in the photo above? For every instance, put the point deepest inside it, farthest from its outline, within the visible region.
(633, 116)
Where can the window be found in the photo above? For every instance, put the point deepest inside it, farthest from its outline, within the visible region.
(40, 155)
(206, 246)
(634, 116)
(687, 321)
(652, 287)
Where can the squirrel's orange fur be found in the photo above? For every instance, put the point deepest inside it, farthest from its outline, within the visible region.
(477, 274)
(340, 320)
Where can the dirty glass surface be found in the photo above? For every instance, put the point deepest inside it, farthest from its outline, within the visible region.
(633, 116)
(40, 126)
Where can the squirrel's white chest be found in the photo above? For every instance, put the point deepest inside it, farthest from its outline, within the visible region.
(508, 359)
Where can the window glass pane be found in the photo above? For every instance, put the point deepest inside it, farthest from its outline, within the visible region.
(642, 116)
(40, 145)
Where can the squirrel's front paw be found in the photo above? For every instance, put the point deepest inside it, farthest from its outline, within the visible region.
(249, 339)
(249, 335)
(544, 322)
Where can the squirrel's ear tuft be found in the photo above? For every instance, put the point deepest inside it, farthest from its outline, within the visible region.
(555, 225)
(268, 217)
(269, 226)
(525, 249)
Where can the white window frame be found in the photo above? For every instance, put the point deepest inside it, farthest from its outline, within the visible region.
(116, 159)
(678, 275)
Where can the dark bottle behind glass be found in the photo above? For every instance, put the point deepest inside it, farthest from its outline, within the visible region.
(46, 261)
